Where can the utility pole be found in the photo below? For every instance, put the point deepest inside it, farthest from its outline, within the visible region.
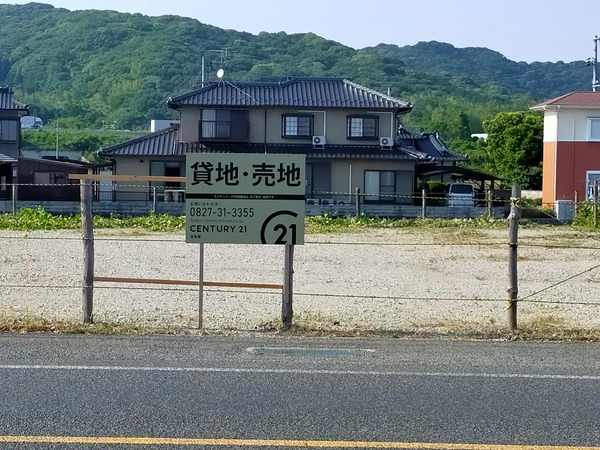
(594, 64)
(56, 154)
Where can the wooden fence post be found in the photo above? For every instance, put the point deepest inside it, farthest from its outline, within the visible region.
(287, 310)
(489, 203)
(513, 231)
(423, 203)
(87, 226)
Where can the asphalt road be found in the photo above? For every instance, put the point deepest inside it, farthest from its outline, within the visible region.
(76, 392)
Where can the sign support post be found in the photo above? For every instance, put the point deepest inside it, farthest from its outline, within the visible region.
(246, 198)
(201, 287)
(287, 310)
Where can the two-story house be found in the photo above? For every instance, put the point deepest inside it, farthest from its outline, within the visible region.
(352, 136)
(11, 112)
(571, 161)
(348, 132)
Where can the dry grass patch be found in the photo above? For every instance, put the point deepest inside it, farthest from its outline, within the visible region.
(316, 325)
(449, 236)
(34, 324)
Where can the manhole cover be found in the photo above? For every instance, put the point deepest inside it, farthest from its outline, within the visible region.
(310, 351)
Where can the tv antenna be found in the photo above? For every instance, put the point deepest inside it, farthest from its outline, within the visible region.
(224, 52)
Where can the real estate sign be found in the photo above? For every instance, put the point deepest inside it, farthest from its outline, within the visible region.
(235, 198)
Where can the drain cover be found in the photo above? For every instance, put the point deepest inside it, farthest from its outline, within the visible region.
(310, 351)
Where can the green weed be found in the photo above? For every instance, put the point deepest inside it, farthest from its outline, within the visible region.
(28, 219)
(330, 224)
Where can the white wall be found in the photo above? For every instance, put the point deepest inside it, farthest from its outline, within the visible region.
(572, 124)
(550, 126)
(157, 125)
(130, 190)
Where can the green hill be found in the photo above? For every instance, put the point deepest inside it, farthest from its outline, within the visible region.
(93, 68)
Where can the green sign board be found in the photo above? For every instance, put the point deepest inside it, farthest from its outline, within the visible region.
(234, 198)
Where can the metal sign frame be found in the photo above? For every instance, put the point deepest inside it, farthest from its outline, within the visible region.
(240, 198)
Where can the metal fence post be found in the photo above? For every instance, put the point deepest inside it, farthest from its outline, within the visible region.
(423, 203)
(154, 199)
(14, 199)
(357, 199)
(595, 200)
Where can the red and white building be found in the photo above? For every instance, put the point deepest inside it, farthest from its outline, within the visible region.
(571, 161)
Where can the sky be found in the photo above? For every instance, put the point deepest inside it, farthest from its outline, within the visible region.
(522, 30)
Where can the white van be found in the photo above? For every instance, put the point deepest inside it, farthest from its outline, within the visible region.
(461, 194)
(31, 122)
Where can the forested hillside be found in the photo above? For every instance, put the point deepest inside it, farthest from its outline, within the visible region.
(93, 68)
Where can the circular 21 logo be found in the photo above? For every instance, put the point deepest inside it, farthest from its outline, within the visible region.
(279, 228)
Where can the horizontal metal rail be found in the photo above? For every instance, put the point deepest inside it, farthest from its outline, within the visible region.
(188, 282)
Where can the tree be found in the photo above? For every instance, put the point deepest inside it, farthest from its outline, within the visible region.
(515, 147)
(459, 126)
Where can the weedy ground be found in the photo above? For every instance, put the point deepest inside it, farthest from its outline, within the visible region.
(546, 328)
(451, 231)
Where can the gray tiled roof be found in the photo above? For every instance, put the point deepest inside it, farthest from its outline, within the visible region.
(299, 92)
(160, 143)
(330, 152)
(423, 147)
(6, 159)
(426, 143)
(7, 101)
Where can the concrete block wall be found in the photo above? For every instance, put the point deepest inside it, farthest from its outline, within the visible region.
(128, 209)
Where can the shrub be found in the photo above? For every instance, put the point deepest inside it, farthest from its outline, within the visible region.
(585, 215)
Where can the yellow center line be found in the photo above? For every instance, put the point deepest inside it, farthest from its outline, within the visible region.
(113, 440)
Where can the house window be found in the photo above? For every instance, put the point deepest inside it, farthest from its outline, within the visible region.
(594, 129)
(380, 186)
(591, 176)
(300, 126)
(308, 185)
(8, 130)
(318, 180)
(167, 191)
(49, 178)
(362, 127)
(215, 124)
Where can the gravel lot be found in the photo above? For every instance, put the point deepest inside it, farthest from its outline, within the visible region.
(380, 279)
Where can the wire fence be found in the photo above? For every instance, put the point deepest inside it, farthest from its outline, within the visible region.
(126, 198)
(384, 279)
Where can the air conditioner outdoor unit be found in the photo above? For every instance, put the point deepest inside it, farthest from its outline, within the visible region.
(174, 195)
(318, 141)
(386, 142)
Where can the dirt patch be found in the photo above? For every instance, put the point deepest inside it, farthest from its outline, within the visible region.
(385, 281)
